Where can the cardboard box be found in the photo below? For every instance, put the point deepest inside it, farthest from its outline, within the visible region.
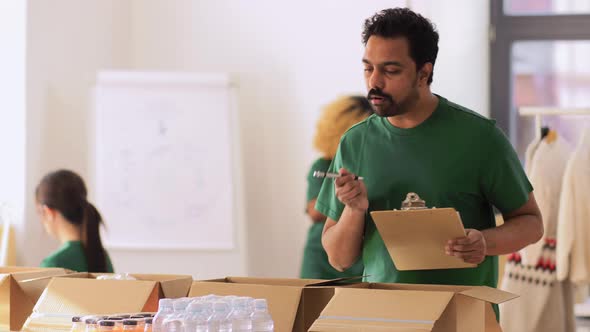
(412, 308)
(83, 294)
(20, 287)
(169, 285)
(294, 304)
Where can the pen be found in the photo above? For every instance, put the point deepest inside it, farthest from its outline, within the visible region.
(320, 174)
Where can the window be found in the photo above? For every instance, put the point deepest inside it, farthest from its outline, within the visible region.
(546, 7)
(538, 58)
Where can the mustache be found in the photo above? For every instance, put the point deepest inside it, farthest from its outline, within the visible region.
(378, 93)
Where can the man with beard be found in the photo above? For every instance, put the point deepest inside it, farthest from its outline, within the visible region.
(421, 142)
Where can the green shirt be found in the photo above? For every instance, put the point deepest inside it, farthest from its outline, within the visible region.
(315, 263)
(455, 158)
(71, 256)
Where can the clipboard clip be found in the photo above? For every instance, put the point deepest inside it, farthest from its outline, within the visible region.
(413, 202)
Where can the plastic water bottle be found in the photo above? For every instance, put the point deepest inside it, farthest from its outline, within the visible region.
(175, 321)
(211, 298)
(219, 321)
(165, 308)
(208, 307)
(77, 324)
(249, 304)
(148, 325)
(240, 316)
(261, 320)
(229, 299)
(197, 318)
(91, 324)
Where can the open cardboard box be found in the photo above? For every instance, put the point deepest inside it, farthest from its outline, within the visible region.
(83, 294)
(20, 287)
(294, 304)
(412, 308)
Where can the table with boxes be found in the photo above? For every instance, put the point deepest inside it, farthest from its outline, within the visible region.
(34, 299)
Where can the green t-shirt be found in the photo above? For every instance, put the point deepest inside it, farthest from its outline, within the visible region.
(455, 158)
(314, 236)
(315, 264)
(71, 256)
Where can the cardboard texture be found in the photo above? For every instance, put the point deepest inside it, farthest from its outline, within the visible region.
(83, 294)
(411, 308)
(170, 285)
(294, 304)
(416, 239)
(19, 291)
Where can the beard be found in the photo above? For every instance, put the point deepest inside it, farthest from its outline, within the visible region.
(385, 105)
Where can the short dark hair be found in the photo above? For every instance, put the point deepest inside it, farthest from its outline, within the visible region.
(402, 22)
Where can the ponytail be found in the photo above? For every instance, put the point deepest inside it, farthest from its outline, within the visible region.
(95, 253)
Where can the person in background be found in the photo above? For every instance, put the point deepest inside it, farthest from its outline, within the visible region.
(336, 118)
(68, 217)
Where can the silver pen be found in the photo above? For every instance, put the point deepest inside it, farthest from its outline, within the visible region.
(320, 174)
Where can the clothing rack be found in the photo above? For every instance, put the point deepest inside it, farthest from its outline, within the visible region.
(538, 112)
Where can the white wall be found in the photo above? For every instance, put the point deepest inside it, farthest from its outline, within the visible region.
(289, 58)
(12, 113)
(461, 72)
(67, 42)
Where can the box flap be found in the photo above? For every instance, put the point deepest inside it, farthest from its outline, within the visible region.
(16, 297)
(176, 288)
(5, 281)
(172, 285)
(85, 275)
(491, 322)
(416, 239)
(67, 296)
(13, 269)
(78, 296)
(290, 281)
(34, 287)
(283, 301)
(21, 307)
(335, 326)
(364, 308)
(422, 287)
(489, 294)
(274, 281)
(337, 282)
(160, 277)
(24, 275)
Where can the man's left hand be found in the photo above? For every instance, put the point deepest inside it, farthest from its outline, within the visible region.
(470, 248)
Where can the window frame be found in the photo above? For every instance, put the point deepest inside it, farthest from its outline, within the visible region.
(505, 30)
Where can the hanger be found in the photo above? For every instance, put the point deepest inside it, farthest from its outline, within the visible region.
(551, 136)
(544, 131)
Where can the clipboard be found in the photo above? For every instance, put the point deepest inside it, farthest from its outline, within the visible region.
(415, 236)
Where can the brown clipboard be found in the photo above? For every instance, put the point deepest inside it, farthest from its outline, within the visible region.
(416, 238)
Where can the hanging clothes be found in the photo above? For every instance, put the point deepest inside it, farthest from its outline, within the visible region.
(545, 304)
(532, 148)
(573, 233)
(529, 153)
(546, 170)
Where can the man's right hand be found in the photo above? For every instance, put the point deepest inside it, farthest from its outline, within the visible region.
(351, 192)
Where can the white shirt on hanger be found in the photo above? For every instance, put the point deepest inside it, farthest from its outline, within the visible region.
(545, 172)
(573, 242)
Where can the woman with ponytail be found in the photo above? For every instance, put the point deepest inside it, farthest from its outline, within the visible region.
(336, 118)
(68, 217)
